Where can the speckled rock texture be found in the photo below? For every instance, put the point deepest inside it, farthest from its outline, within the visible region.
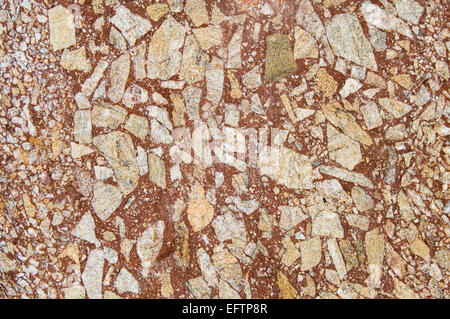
(224, 149)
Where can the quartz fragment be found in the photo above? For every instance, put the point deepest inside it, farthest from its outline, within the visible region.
(410, 10)
(194, 61)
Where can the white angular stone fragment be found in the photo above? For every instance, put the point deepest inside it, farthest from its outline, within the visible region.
(132, 26)
(103, 173)
(82, 101)
(234, 49)
(208, 36)
(371, 115)
(327, 224)
(199, 288)
(227, 227)
(117, 40)
(135, 95)
(346, 175)
(395, 107)
(107, 115)
(100, 92)
(62, 28)
(343, 149)
(139, 61)
(149, 244)
(396, 133)
(309, 20)
(267, 9)
(85, 229)
(245, 206)
(161, 115)
(290, 217)
(358, 221)
(226, 292)
(92, 275)
(159, 133)
(90, 83)
(207, 268)
(142, 161)
(196, 10)
(302, 114)
(361, 199)
(286, 167)
(125, 282)
(382, 19)
(192, 96)
(75, 60)
(106, 199)
(120, 70)
(110, 255)
(231, 115)
(351, 86)
(175, 5)
(409, 10)
(194, 61)
(348, 41)
(215, 76)
(339, 117)
(75, 292)
(137, 125)
(404, 207)
(305, 45)
(79, 150)
(164, 57)
(337, 258)
(311, 253)
(256, 105)
(118, 149)
(374, 243)
(82, 130)
(252, 79)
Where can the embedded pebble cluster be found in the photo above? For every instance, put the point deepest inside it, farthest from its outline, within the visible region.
(224, 149)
